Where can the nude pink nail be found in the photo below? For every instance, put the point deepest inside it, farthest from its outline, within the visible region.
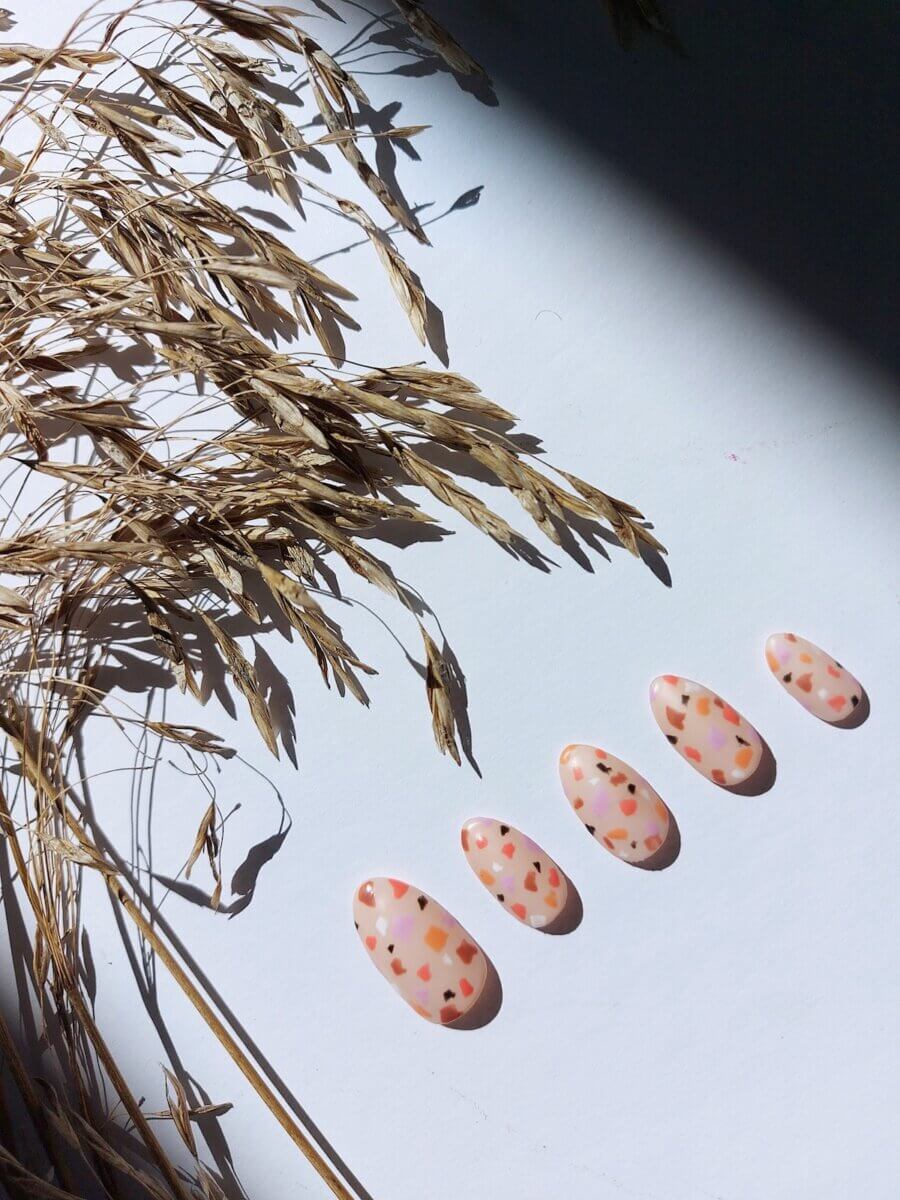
(813, 678)
(515, 870)
(422, 951)
(615, 804)
(711, 735)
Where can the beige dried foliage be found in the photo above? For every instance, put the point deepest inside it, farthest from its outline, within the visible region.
(174, 392)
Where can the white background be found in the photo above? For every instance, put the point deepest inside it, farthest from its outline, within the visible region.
(726, 1028)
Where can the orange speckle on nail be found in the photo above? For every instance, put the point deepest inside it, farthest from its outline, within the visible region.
(617, 834)
(743, 757)
(692, 753)
(435, 938)
(702, 706)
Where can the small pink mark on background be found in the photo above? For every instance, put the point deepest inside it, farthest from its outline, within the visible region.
(732, 457)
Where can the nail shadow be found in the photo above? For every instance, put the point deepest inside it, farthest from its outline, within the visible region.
(858, 716)
(762, 778)
(668, 851)
(488, 1005)
(571, 915)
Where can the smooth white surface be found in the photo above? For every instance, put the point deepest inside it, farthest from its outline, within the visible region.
(726, 1028)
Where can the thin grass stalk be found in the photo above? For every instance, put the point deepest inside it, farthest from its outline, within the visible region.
(87, 1023)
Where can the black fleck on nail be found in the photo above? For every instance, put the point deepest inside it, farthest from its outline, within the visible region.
(422, 901)
(589, 828)
(854, 700)
(537, 867)
(672, 739)
(631, 788)
(684, 698)
(391, 948)
(787, 678)
(504, 829)
(500, 897)
(448, 995)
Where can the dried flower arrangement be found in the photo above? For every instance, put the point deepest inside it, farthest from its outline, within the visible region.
(117, 245)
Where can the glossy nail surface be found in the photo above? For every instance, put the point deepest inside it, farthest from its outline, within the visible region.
(422, 951)
(706, 731)
(615, 804)
(812, 677)
(516, 871)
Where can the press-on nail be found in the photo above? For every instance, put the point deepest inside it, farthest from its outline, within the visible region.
(512, 867)
(822, 686)
(422, 951)
(615, 804)
(709, 733)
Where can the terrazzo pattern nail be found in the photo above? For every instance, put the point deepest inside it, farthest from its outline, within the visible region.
(516, 871)
(616, 805)
(420, 949)
(812, 677)
(711, 735)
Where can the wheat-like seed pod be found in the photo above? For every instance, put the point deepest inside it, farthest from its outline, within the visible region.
(120, 249)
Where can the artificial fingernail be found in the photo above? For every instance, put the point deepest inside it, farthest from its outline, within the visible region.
(710, 734)
(512, 867)
(422, 951)
(615, 804)
(821, 685)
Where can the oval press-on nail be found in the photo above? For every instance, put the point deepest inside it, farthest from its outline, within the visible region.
(821, 685)
(422, 951)
(512, 867)
(615, 804)
(706, 731)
